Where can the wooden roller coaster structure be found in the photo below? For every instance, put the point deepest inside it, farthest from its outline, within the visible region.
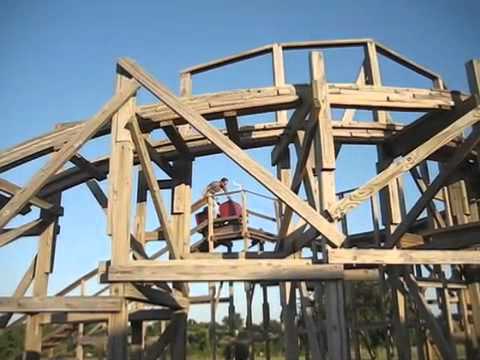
(423, 259)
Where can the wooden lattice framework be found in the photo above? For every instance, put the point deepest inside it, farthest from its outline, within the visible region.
(398, 253)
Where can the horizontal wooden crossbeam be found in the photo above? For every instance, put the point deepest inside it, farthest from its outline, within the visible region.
(60, 304)
(223, 270)
(402, 257)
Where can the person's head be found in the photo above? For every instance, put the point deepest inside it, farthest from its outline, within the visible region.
(224, 181)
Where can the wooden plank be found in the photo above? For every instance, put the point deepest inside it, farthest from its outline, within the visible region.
(160, 209)
(404, 164)
(65, 153)
(236, 154)
(402, 60)
(403, 257)
(229, 60)
(72, 318)
(324, 44)
(445, 172)
(11, 235)
(223, 270)
(59, 304)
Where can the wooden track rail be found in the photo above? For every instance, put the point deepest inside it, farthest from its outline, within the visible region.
(419, 263)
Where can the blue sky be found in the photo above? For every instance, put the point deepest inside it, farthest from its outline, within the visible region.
(57, 64)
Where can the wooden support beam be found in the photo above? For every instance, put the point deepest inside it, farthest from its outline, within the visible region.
(313, 343)
(177, 140)
(223, 270)
(73, 318)
(12, 235)
(278, 76)
(160, 209)
(43, 268)
(79, 161)
(403, 257)
(422, 186)
(473, 75)
(150, 315)
(146, 294)
(300, 169)
(435, 330)
(325, 164)
(12, 189)
(295, 123)
(59, 304)
(404, 164)
(156, 350)
(445, 172)
(427, 126)
(235, 153)
(64, 154)
(5, 199)
(289, 308)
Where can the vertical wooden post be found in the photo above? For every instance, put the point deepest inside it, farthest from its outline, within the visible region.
(266, 321)
(283, 164)
(79, 354)
(138, 340)
(213, 317)
(120, 190)
(211, 218)
(43, 268)
(181, 204)
(138, 328)
(185, 90)
(289, 308)
(244, 221)
(279, 77)
(249, 290)
(231, 309)
(473, 75)
(178, 347)
(471, 342)
(141, 211)
(325, 168)
(390, 204)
